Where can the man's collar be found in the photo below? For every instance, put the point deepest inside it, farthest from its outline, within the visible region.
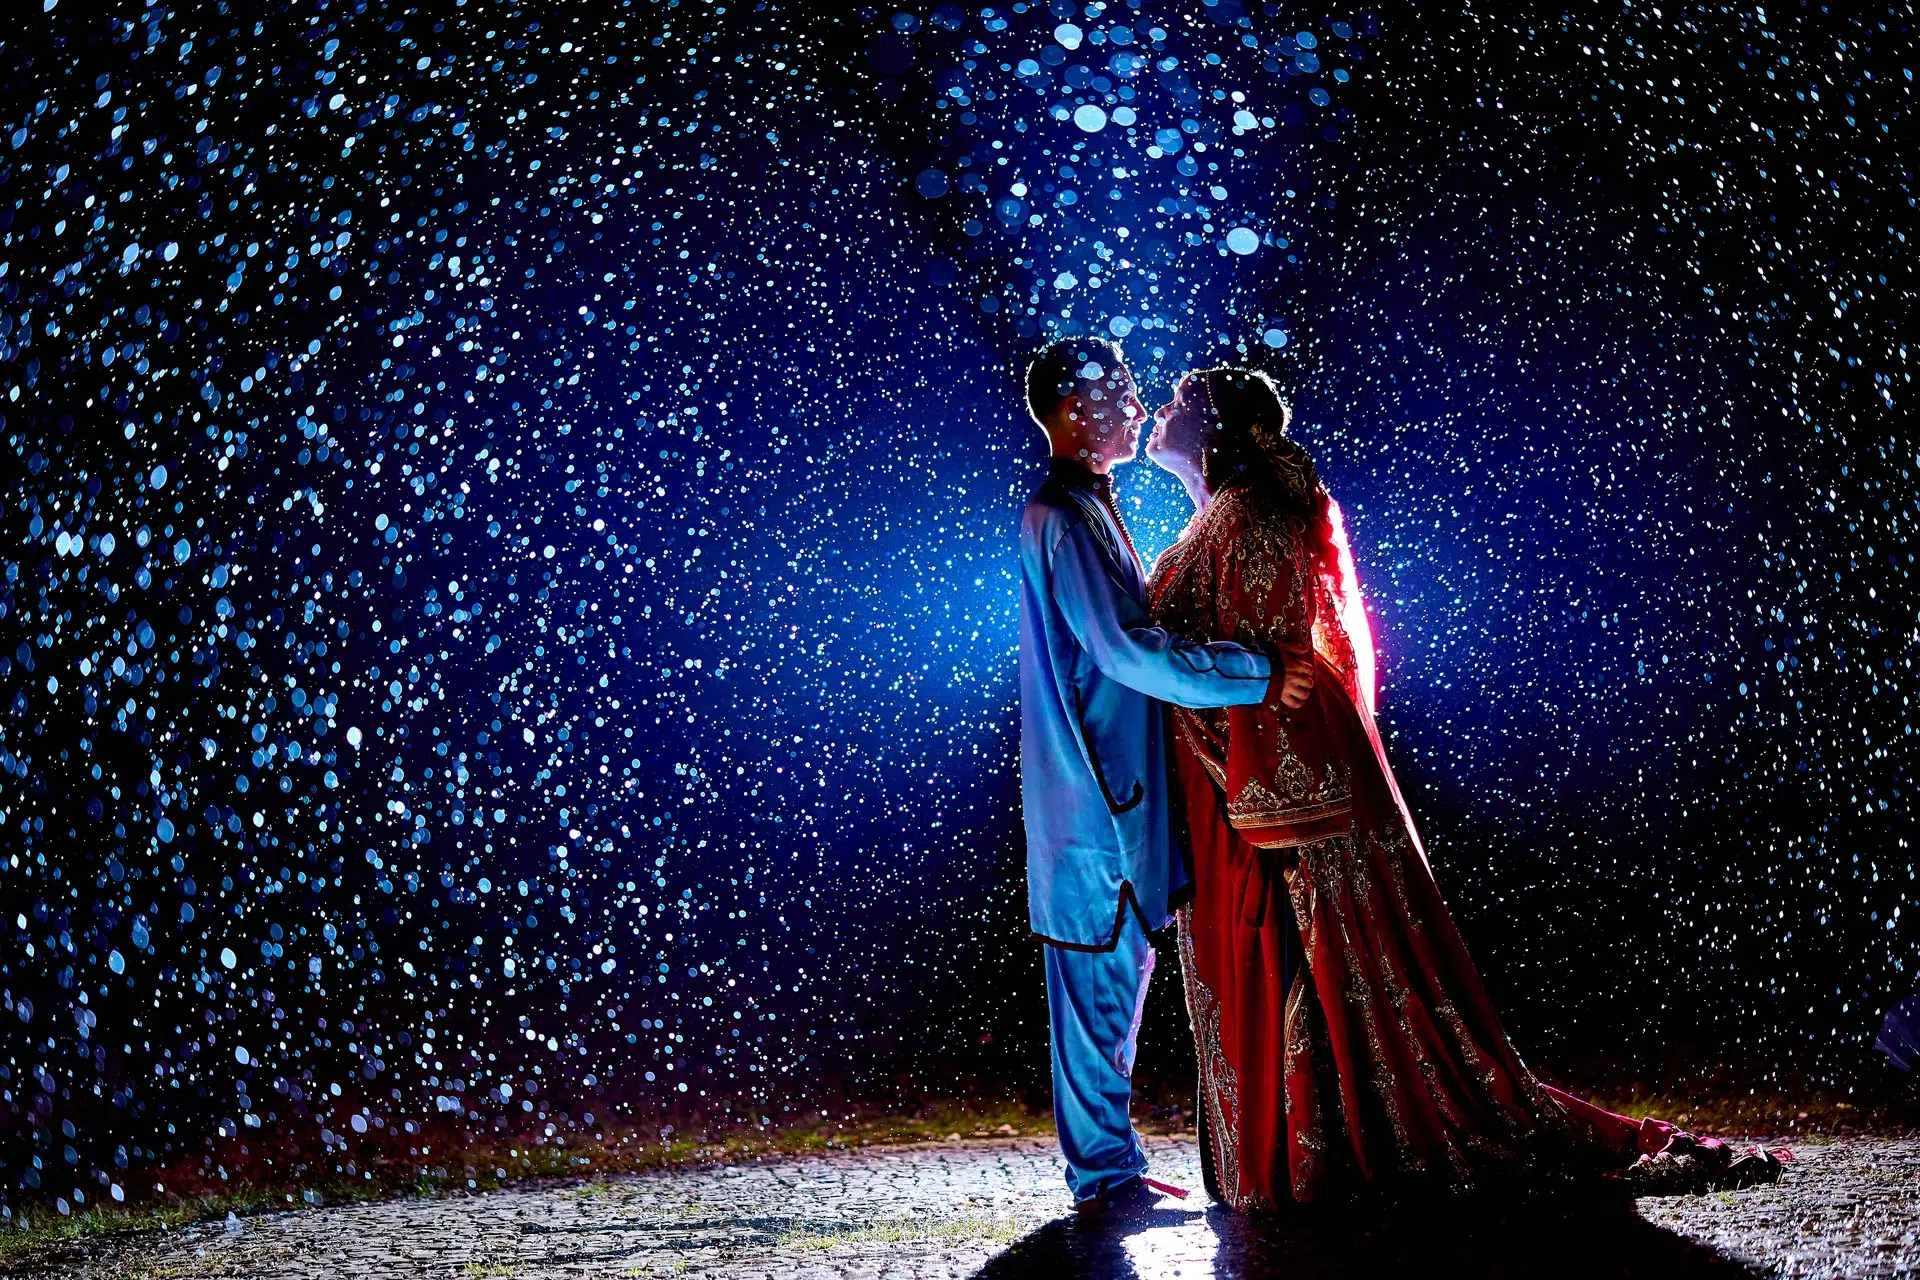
(1076, 474)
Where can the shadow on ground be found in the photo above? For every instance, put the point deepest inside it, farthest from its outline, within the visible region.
(1549, 1237)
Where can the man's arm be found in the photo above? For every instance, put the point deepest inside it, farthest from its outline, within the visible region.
(1124, 643)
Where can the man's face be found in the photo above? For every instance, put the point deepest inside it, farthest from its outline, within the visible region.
(1114, 413)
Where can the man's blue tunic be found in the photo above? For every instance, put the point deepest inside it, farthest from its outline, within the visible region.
(1093, 775)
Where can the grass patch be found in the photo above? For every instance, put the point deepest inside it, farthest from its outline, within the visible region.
(592, 1190)
(966, 1229)
(154, 1271)
(50, 1233)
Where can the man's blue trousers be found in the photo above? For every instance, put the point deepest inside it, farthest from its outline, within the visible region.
(1094, 1000)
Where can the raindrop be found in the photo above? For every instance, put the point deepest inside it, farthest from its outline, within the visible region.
(1090, 117)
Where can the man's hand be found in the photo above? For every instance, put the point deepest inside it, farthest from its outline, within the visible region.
(1297, 670)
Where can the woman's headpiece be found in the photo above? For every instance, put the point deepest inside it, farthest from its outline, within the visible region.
(1290, 464)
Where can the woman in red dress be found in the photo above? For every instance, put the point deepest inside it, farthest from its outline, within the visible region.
(1344, 1036)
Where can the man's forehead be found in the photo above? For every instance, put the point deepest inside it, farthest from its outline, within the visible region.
(1113, 375)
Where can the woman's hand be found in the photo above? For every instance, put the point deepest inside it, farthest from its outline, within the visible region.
(1297, 671)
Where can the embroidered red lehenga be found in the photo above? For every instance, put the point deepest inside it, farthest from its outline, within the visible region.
(1381, 1055)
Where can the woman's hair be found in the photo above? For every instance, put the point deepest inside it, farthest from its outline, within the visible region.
(1247, 445)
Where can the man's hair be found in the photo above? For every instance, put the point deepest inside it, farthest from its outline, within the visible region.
(1060, 370)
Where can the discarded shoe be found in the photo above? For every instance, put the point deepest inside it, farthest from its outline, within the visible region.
(1690, 1164)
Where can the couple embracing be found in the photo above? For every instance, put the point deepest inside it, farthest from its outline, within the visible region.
(1198, 746)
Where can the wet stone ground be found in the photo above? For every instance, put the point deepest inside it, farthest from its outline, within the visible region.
(998, 1209)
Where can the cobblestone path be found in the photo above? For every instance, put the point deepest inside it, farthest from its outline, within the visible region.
(998, 1209)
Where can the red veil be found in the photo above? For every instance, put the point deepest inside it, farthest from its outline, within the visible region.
(1344, 639)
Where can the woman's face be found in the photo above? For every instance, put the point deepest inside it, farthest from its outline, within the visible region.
(1180, 427)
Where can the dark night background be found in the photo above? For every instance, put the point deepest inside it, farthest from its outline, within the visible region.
(508, 601)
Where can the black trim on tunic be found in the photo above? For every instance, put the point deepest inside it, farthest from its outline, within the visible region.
(1119, 922)
(1114, 806)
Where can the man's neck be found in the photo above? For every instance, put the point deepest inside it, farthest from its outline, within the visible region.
(1100, 466)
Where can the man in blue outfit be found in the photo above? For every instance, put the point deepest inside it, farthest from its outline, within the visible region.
(1102, 869)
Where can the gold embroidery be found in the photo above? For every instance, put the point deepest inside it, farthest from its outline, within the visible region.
(1191, 728)
(1267, 549)
(1254, 802)
(1219, 1085)
(1290, 772)
(1394, 850)
(1297, 1047)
